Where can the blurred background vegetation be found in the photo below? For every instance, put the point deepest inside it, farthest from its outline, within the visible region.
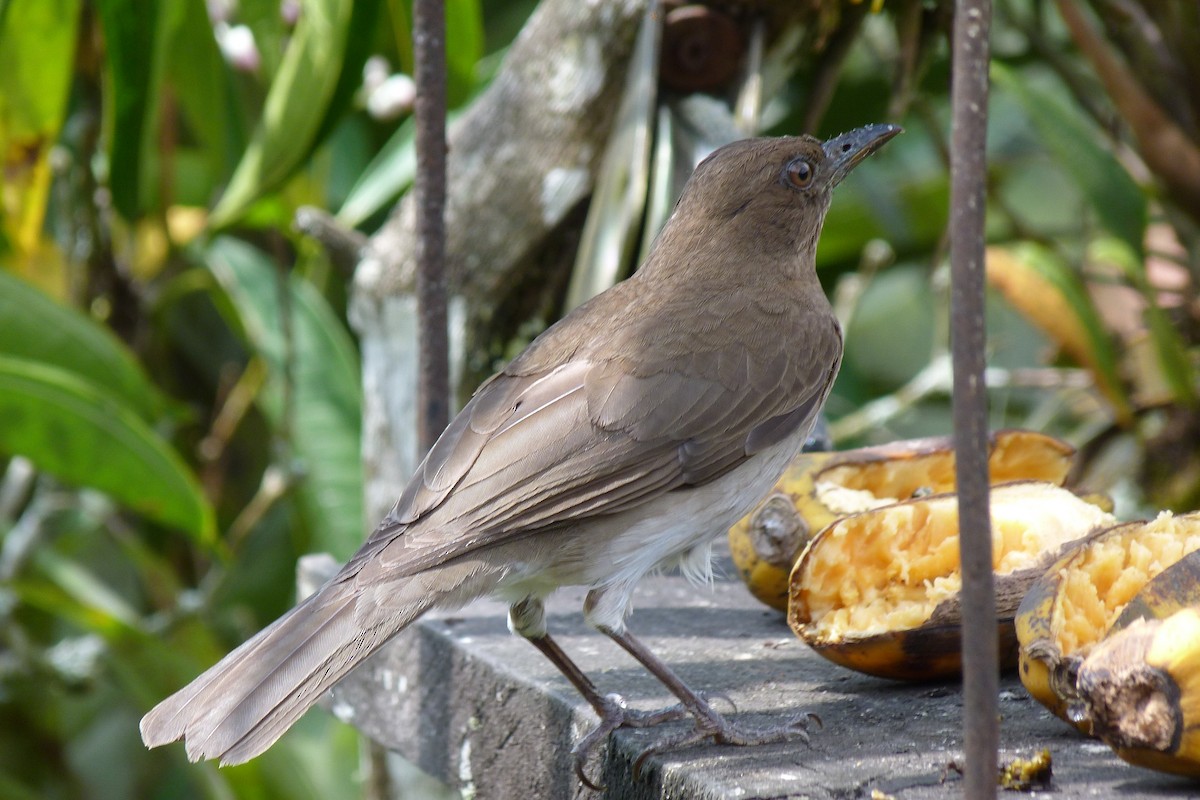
(180, 396)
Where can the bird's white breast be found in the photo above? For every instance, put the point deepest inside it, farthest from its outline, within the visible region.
(662, 533)
(677, 529)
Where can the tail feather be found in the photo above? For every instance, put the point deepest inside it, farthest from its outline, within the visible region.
(268, 729)
(243, 704)
(261, 688)
(167, 722)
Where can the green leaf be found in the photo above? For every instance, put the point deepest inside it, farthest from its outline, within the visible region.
(201, 82)
(130, 38)
(324, 391)
(37, 53)
(12, 789)
(389, 173)
(464, 48)
(270, 31)
(39, 329)
(95, 599)
(464, 44)
(890, 335)
(85, 436)
(37, 41)
(296, 106)
(360, 46)
(900, 197)
(1119, 204)
(909, 213)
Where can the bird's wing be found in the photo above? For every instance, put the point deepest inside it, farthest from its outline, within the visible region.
(530, 452)
(721, 406)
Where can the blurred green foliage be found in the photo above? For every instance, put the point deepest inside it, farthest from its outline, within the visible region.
(179, 390)
(179, 408)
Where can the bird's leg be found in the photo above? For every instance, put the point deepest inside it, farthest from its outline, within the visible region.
(527, 619)
(610, 708)
(709, 724)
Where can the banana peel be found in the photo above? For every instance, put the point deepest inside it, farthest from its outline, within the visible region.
(1099, 587)
(879, 591)
(819, 488)
(1140, 692)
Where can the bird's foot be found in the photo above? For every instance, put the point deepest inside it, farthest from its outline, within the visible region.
(711, 725)
(615, 715)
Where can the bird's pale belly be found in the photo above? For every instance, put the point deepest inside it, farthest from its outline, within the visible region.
(676, 529)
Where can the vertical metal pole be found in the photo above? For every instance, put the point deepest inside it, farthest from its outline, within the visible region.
(433, 390)
(968, 175)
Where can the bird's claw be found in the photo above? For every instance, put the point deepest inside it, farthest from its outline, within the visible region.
(708, 725)
(613, 716)
(713, 726)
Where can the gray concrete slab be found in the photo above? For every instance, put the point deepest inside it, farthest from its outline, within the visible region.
(482, 710)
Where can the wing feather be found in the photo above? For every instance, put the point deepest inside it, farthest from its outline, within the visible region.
(538, 450)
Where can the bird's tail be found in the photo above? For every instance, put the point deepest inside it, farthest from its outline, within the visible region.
(244, 703)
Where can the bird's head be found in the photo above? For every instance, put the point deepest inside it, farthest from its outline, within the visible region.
(778, 187)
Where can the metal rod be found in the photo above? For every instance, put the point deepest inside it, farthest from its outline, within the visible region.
(433, 382)
(968, 176)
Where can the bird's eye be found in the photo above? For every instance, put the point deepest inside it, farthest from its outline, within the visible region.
(799, 173)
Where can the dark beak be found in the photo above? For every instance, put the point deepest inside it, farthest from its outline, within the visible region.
(847, 151)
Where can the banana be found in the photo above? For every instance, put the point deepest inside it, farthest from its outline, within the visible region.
(1085, 595)
(878, 591)
(765, 543)
(819, 488)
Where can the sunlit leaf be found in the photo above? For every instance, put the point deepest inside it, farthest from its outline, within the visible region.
(1119, 204)
(1052, 296)
(86, 436)
(315, 72)
(325, 393)
(37, 45)
(360, 45)
(39, 329)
